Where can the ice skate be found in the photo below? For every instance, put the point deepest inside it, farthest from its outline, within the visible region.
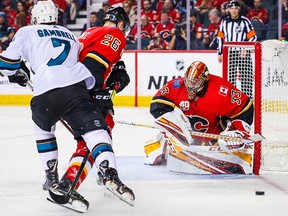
(51, 175)
(59, 194)
(109, 177)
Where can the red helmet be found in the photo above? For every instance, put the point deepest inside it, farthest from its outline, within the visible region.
(195, 77)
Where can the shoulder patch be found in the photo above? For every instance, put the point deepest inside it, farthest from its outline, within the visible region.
(164, 90)
(223, 90)
(176, 84)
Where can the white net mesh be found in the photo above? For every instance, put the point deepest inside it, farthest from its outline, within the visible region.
(274, 96)
(274, 106)
(241, 68)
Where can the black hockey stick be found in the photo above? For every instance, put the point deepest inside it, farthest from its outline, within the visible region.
(60, 198)
(65, 199)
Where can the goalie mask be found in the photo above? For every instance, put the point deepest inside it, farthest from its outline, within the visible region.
(195, 78)
(44, 12)
(116, 15)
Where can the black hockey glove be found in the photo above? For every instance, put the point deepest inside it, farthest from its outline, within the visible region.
(21, 77)
(118, 78)
(103, 99)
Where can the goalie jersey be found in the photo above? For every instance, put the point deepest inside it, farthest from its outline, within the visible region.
(219, 100)
(52, 52)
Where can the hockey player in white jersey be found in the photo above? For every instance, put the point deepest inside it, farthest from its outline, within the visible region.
(61, 87)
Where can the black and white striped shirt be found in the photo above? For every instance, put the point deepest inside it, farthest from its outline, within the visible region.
(235, 30)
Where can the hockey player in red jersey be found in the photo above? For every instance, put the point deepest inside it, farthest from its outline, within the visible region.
(211, 104)
(101, 50)
(206, 99)
(67, 95)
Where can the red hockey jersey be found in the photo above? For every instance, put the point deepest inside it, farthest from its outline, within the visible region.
(221, 99)
(107, 44)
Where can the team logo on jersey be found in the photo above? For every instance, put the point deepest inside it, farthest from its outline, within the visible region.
(179, 65)
(164, 90)
(176, 84)
(238, 29)
(198, 123)
(223, 91)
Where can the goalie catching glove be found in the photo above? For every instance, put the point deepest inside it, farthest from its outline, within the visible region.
(118, 78)
(237, 129)
(21, 77)
(103, 99)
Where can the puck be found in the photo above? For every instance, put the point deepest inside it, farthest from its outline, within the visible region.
(260, 192)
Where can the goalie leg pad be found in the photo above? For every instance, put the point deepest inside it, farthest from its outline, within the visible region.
(155, 151)
(176, 125)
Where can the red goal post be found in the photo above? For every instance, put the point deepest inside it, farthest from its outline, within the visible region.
(260, 70)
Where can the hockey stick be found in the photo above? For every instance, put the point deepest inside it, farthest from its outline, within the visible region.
(60, 198)
(252, 138)
(66, 198)
(136, 124)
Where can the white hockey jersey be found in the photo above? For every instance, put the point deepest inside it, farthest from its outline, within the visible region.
(52, 52)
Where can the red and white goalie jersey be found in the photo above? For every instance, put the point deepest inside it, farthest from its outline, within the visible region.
(220, 99)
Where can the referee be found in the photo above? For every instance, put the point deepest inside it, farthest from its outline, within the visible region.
(237, 28)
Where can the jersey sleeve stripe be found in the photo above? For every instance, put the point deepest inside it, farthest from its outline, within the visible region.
(247, 107)
(251, 34)
(9, 64)
(221, 34)
(98, 58)
(163, 102)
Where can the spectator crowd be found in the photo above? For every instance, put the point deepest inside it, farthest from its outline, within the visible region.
(163, 22)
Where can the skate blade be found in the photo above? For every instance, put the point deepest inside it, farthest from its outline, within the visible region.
(76, 206)
(125, 197)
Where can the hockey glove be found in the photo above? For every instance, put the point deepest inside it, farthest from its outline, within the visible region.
(22, 75)
(241, 126)
(103, 100)
(231, 145)
(236, 129)
(118, 78)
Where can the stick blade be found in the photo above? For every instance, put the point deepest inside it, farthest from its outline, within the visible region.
(257, 137)
(59, 198)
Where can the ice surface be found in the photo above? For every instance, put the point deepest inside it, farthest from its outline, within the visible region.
(158, 191)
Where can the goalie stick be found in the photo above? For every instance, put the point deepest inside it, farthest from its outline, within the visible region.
(251, 139)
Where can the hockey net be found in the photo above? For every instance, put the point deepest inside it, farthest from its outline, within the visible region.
(261, 71)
